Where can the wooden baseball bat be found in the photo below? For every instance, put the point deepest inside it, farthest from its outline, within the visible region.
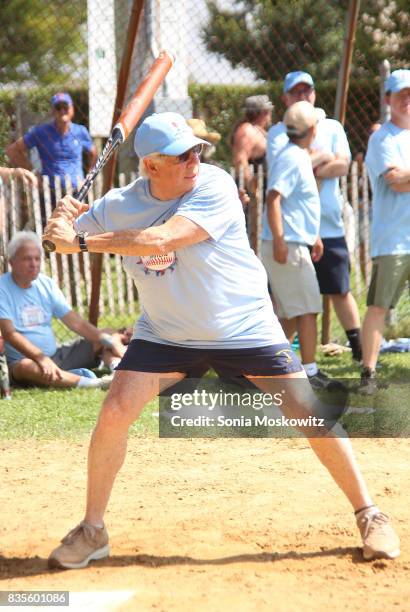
(129, 118)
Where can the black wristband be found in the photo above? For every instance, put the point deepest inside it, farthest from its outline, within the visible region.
(81, 240)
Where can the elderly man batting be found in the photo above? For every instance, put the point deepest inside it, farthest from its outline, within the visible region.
(204, 300)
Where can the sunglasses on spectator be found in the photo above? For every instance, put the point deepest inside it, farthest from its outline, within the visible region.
(184, 157)
(61, 106)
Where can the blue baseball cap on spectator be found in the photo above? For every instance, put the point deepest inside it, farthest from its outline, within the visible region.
(398, 80)
(294, 78)
(166, 133)
(63, 97)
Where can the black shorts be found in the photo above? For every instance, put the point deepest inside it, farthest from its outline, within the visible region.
(333, 268)
(275, 360)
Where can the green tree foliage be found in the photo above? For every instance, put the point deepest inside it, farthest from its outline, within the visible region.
(41, 40)
(383, 33)
(273, 37)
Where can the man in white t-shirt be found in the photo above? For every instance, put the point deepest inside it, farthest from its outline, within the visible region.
(181, 230)
(330, 154)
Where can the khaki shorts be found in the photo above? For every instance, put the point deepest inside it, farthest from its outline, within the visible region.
(389, 276)
(294, 284)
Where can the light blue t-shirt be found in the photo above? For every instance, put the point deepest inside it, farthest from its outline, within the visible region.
(292, 176)
(214, 294)
(330, 137)
(31, 310)
(390, 233)
(276, 141)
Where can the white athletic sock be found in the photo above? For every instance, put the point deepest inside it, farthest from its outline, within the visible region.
(88, 382)
(98, 525)
(372, 509)
(114, 362)
(310, 368)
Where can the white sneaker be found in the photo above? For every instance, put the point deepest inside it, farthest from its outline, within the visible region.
(104, 382)
(380, 541)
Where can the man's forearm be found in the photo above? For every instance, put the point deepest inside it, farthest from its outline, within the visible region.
(148, 241)
(242, 169)
(275, 214)
(401, 187)
(177, 233)
(333, 169)
(319, 157)
(18, 157)
(397, 176)
(24, 346)
(81, 327)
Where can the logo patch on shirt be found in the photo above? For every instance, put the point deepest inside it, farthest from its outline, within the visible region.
(158, 263)
(32, 315)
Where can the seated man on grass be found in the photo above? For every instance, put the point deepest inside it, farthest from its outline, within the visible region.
(28, 302)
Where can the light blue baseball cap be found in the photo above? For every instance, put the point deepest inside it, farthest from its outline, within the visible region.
(398, 80)
(166, 133)
(294, 78)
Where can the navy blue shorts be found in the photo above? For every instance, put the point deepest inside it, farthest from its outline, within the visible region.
(333, 268)
(275, 360)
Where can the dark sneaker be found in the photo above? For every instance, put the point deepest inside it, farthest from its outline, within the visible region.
(380, 541)
(81, 545)
(321, 381)
(368, 383)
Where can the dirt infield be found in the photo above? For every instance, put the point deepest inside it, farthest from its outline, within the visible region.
(208, 525)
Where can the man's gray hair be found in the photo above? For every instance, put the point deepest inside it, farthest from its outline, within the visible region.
(19, 239)
(142, 171)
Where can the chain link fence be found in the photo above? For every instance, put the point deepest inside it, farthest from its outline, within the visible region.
(226, 50)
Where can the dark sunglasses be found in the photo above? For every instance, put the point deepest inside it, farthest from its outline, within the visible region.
(61, 106)
(196, 150)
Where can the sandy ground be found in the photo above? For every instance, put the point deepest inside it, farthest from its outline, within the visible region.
(207, 525)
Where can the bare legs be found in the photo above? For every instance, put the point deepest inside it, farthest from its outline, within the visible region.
(346, 310)
(128, 394)
(28, 371)
(335, 453)
(306, 327)
(372, 334)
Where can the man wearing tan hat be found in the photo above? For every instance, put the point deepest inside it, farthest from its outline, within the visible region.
(292, 220)
(330, 158)
(200, 130)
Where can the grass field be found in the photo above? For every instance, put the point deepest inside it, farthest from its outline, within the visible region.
(49, 414)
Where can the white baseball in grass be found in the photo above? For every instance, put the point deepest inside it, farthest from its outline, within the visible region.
(158, 262)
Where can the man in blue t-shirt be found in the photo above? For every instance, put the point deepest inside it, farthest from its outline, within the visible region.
(204, 300)
(330, 155)
(60, 145)
(388, 164)
(29, 300)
